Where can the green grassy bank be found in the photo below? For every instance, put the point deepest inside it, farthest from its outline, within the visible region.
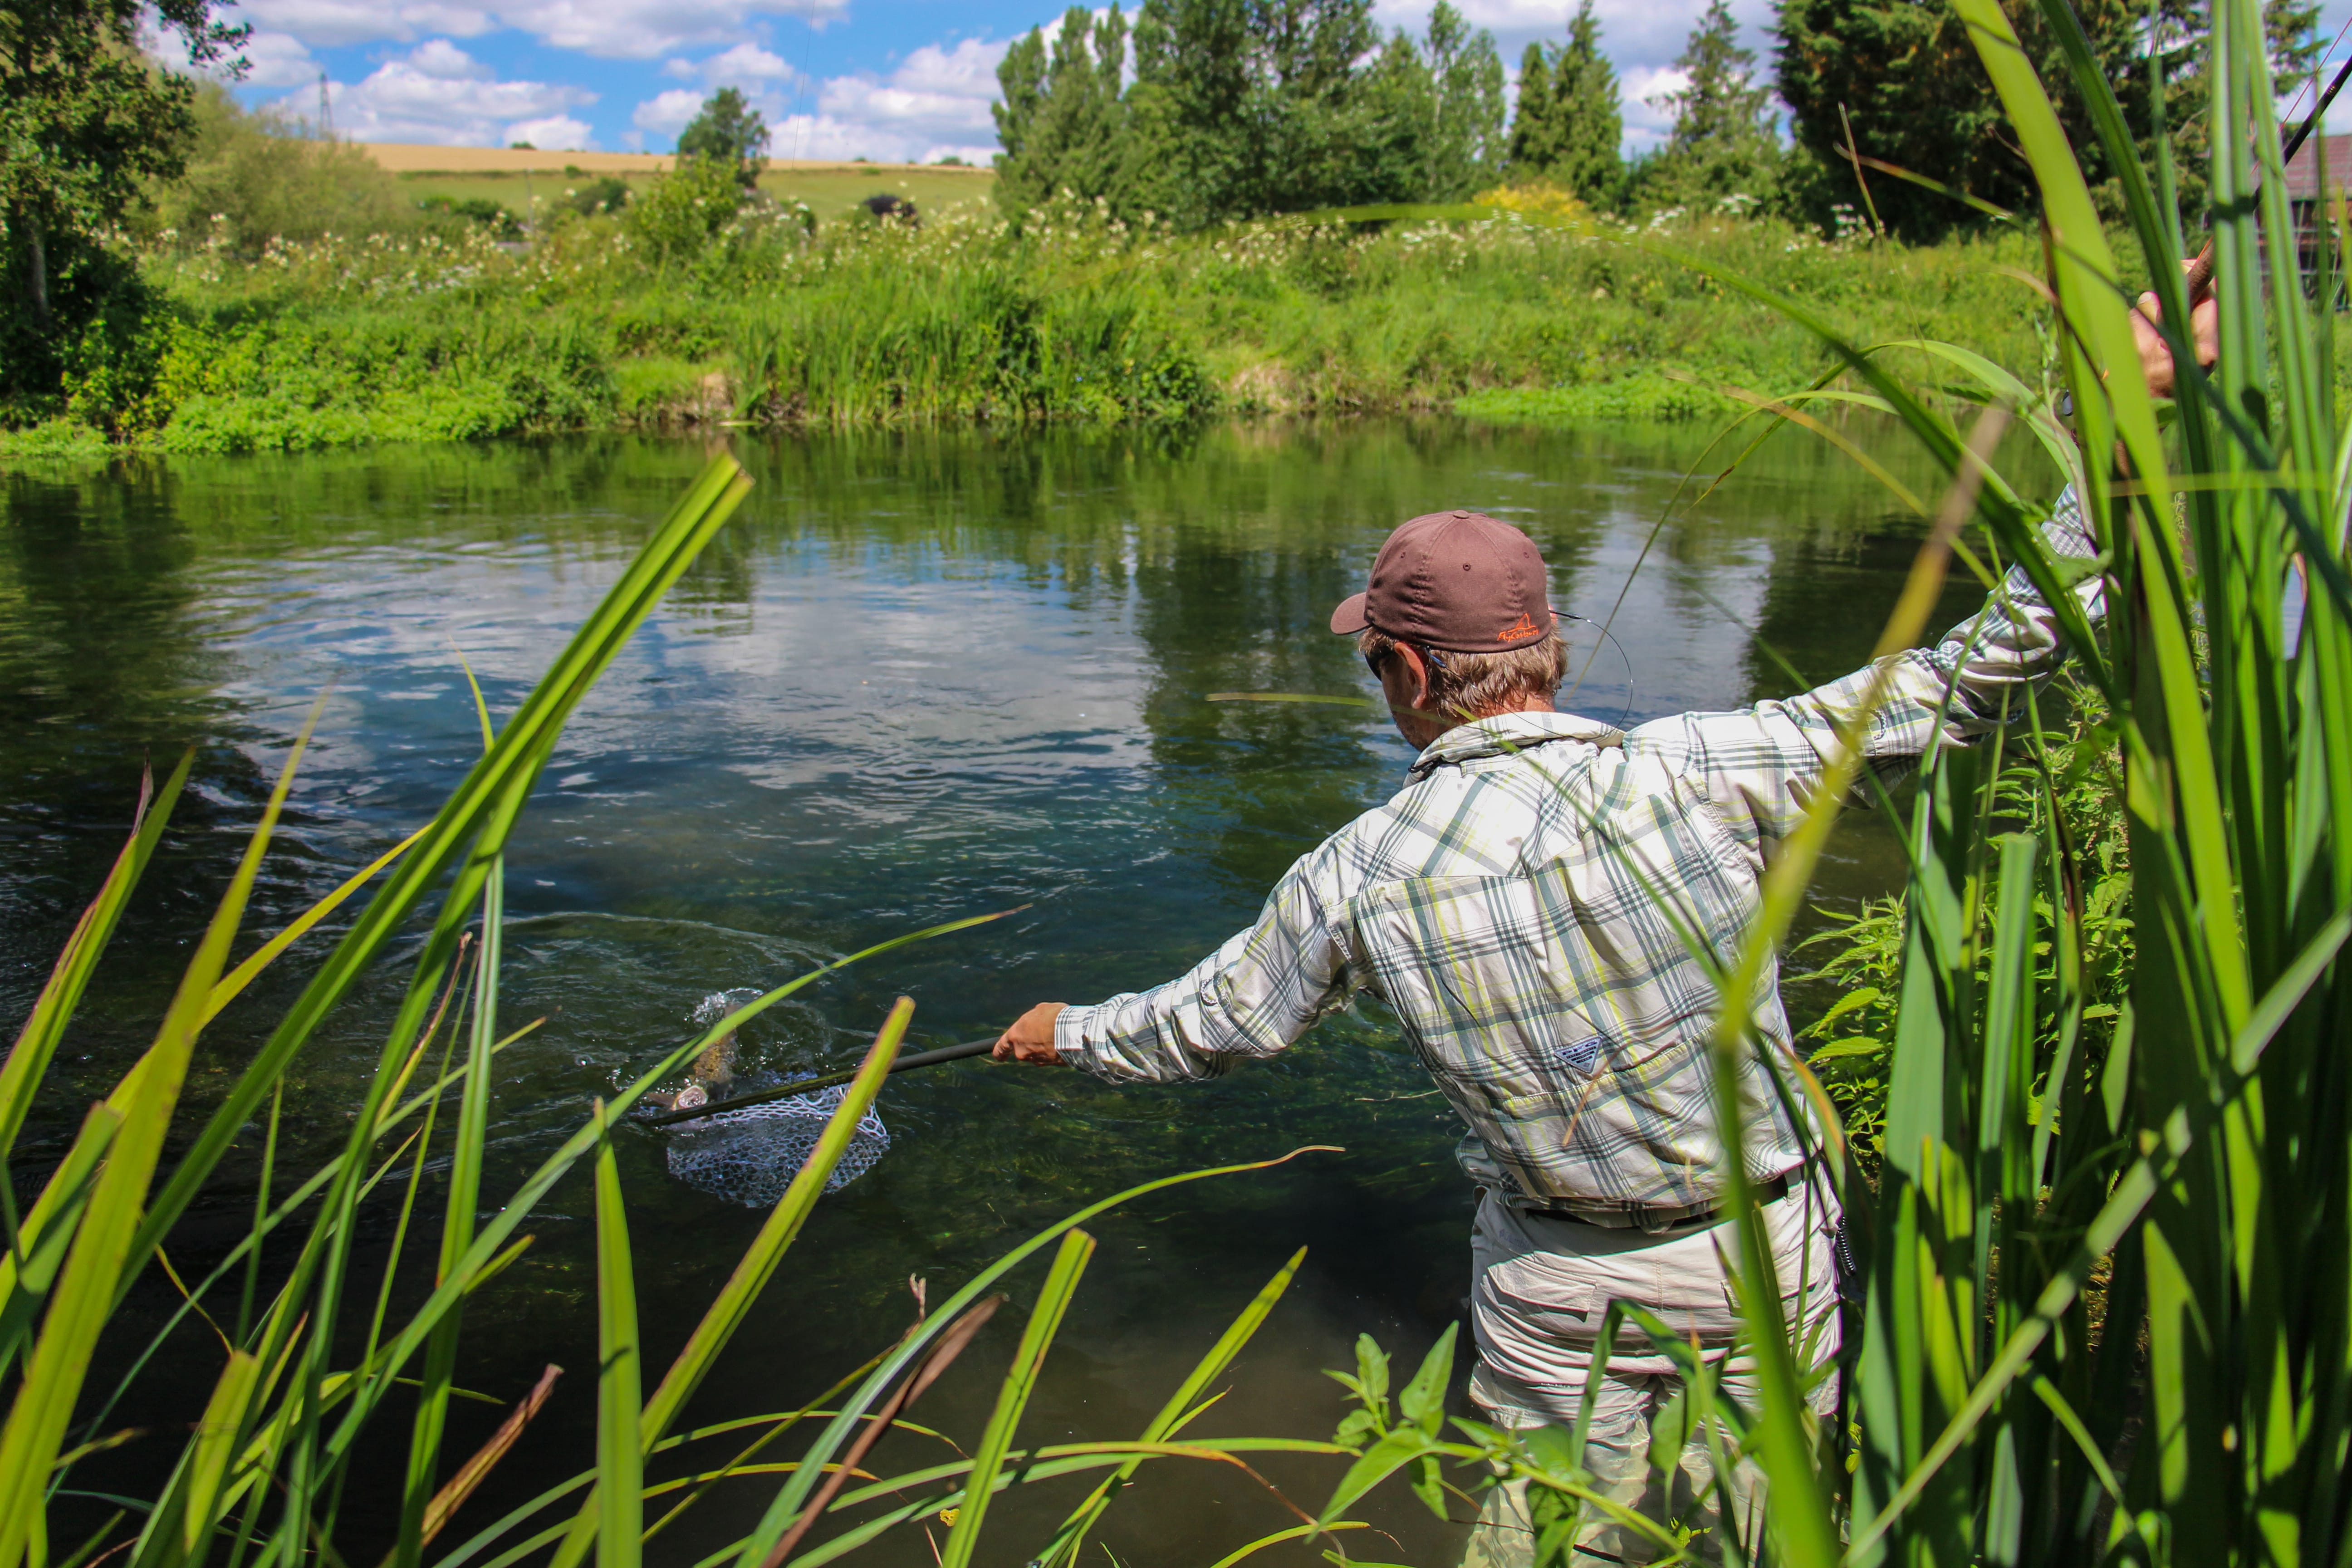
(651, 319)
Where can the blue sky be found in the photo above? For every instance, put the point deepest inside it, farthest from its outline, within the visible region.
(888, 79)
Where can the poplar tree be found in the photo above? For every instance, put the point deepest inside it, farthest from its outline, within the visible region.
(1062, 120)
(1240, 108)
(1463, 144)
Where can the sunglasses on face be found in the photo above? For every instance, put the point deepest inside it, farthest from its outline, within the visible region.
(1430, 655)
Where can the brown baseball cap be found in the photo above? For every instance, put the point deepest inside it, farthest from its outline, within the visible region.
(1459, 581)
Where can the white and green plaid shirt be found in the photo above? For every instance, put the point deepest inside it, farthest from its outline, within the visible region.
(1509, 906)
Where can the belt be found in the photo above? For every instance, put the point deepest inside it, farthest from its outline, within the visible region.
(1662, 1219)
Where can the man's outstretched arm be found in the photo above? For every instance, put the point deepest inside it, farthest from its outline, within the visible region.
(1760, 765)
(1252, 997)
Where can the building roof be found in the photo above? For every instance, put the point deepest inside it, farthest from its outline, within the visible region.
(2303, 174)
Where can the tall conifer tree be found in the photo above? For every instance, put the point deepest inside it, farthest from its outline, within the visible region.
(1584, 107)
(1535, 141)
(1568, 122)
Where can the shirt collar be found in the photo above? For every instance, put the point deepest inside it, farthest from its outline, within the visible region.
(1505, 733)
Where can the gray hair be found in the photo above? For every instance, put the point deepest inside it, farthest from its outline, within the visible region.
(1472, 685)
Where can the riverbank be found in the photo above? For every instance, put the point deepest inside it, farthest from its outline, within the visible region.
(609, 323)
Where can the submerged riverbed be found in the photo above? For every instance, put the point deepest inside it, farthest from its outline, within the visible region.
(920, 676)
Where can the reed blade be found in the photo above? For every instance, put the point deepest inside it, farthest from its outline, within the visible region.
(53, 1009)
(1070, 1539)
(620, 1457)
(757, 1264)
(1013, 1398)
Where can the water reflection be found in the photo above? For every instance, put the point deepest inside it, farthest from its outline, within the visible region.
(920, 677)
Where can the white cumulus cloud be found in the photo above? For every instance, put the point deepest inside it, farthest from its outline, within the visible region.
(648, 29)
(617, 29)
(327, 24)
(278, 60)
(440, 58)
(553, 133)
(934, 103)
(438, 93)
(824, 138)
(1647, 126)
(745, 65)
(667, 114)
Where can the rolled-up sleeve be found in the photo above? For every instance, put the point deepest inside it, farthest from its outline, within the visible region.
(1760, 765)
(1252, 997)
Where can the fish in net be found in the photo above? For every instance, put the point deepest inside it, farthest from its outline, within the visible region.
(752, 1154)
(750, 1157)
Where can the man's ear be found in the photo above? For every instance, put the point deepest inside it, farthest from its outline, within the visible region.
(1419, 671)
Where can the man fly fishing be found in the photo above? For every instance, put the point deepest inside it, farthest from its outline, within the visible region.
(1526, 907)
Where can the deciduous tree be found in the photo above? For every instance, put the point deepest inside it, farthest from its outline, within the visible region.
(85, 118)
(1240, 108)
(1910, 84)
(730, 131)
(1463, 146)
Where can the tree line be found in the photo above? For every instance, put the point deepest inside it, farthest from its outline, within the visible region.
(1203, 111)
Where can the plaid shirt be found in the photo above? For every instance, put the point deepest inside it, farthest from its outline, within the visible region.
(1517, 906)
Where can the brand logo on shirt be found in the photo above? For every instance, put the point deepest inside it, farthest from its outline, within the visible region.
(1582, 1058)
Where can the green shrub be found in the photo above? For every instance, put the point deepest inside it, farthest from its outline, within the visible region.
(1646, 394)
(61, 438)
(681, 214)
(653, 389)
(491, 215)
(608, 195)
(255, 178)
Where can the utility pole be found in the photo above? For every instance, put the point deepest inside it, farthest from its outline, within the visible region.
(326, 111)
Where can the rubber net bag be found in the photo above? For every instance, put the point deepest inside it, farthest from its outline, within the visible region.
(750, 1157)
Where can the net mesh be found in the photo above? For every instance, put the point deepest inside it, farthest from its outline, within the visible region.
(750, 1157)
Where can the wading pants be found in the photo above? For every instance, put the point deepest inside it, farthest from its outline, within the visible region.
(1540, 1288)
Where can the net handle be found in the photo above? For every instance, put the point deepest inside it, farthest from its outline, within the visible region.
(809, 1086)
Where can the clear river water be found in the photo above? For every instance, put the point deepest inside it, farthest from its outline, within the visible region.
(919, 677)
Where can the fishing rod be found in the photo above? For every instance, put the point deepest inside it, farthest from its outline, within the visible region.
(2200, 271)
(810, 1086)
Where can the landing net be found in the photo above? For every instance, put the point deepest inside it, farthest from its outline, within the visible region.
(750, 1157)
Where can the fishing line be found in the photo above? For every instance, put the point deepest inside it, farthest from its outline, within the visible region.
(1627, 709)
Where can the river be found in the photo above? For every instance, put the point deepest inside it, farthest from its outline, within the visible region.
(920, 676)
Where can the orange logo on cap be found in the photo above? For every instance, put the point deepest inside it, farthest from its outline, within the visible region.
(1522, 627)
